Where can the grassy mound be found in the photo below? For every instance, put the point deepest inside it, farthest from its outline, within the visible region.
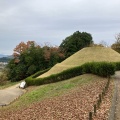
(88, 54)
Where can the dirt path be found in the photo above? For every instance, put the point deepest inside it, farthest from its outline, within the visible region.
(9, 94)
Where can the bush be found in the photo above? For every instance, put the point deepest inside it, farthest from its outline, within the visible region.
(117, 66)
(106, 69)
(30, 80)
(103, 69)
(3, 79)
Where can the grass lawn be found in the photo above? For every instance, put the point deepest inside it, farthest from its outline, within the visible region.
(39, 93)
(8, 84)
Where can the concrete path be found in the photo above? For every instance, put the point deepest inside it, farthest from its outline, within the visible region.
(115, 107)
(9, 94)
(117, 83)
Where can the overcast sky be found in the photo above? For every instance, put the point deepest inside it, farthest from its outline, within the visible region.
(51, 21)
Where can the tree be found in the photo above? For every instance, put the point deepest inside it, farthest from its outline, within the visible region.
(30, 58)
(103, 43)
(75, 42)
(21, 48)
(117, 37)
(116, 46)
(53, 55)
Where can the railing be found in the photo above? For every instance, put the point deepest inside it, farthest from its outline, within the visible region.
(99, 101)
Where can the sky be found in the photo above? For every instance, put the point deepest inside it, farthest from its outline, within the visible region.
(51, 21)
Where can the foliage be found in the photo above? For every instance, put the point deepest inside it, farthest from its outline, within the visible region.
(117, 66)
(116, 46)
(117, 37)
(30, 58)
(103, 69)
(3, 77)
(75, 42)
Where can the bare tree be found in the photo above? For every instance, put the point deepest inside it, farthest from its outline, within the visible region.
(116, 46)
(117, 37)
(103, 43)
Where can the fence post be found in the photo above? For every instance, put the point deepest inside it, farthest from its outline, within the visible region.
(102, 94)
(98, 103)
(95, 109)
(100, 98)
(90, 115)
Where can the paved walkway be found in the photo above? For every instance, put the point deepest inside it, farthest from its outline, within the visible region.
(117, 105)
(9, 94)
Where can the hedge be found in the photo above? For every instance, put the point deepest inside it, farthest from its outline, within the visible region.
(103, 69)
(117, 65)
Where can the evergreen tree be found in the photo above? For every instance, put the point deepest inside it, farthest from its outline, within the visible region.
(75, 42)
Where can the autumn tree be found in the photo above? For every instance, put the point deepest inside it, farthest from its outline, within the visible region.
(30, 58)
(21, 48)
(53, 55)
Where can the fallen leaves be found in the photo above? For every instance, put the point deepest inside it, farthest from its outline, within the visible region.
(74, 105)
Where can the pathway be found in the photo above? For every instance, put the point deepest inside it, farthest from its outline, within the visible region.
(115, 107)
(9, 94)
(117, 111)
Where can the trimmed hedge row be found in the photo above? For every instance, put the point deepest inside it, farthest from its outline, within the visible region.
(103, 69)
(117, 66)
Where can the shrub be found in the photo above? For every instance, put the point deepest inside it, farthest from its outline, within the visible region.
(31, 79)
(103, 69)
(3, 79)
(117, 66)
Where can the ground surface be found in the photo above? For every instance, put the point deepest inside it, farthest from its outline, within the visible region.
(9, 94)
(117, 81)
(73, 105)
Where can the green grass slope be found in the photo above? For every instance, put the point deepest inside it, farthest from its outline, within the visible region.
(88, 54)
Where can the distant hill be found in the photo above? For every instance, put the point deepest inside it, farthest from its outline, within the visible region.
(88, 54)
(10, 56)
(1, 55)
(5, 58)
